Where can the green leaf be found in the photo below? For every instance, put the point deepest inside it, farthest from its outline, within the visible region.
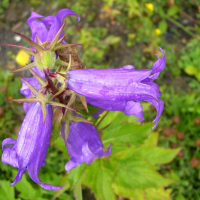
(197, 75)
(190, 70)
(180, 197)
(142, 194)
(151, 141)
(116, 117)
(162, 26)
(136, 194)
(158, 155)
(156, 194)
(172, 11)
(135, 172)
(60, 144)
(111, 39)
(76, 173)
(98, 177)
(126, 134)
(6, 190)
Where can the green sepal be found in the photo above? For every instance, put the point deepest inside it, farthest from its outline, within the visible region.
(39, 79)
(29, 66)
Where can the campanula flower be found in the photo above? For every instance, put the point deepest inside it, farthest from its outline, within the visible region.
(29, 150)
(83, 144)
(47, 28)
(120, 89)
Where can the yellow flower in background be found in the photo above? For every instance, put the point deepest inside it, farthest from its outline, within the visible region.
(22, 58)
(149, 6)
(158, 31)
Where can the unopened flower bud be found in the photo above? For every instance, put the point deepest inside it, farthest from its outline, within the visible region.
(45, 59)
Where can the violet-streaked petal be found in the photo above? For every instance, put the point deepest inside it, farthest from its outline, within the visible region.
(18, 176)
(127, 107)
(37, 27)
(55, 26)
(9, 156)
(109, 77)
(133, 91)
(48, 21)
(7, 141)
(135, 109)
(83, 144)
(159, 65)
(159, 105)
(27, 106)
(29, 134)
(38, 153)
(155, 87)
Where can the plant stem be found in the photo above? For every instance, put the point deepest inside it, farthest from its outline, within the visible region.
(179, 25)
(78, 190)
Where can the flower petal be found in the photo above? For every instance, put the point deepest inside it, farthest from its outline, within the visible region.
(55, 26)
(7, 141)
(83, 144)
(18, 176)
(9, 156)
(127, 107)
(37, 27)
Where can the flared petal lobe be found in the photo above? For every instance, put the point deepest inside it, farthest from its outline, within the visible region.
(119, 89)
(29, 150)
(53, 23)
(83, 144)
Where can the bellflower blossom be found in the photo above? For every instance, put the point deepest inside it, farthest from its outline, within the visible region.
(120, 89)
(83, 144)
(53, 22)
(29, 150)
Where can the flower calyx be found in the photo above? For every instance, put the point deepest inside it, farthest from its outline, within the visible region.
(44, 53)
(41, 97)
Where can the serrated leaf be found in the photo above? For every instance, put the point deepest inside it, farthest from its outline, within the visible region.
(57, 117)
(116, 117)
(136, 194)
(125, 134)
(142, 194)
(158, 155)
(151, 141)
(98, 177)
(76, 173)
(135, 172)
(156, 194)
(6, 190)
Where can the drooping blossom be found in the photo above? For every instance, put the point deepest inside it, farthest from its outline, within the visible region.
(120, 89)
(83, 144)
(29, 150)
